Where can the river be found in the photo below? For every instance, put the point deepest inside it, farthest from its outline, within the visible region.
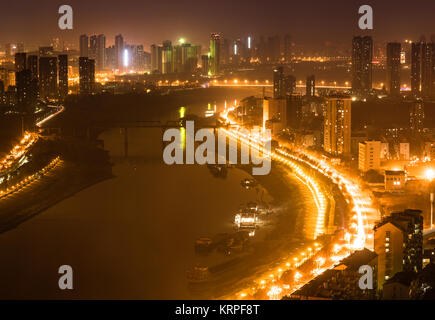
(129, 237)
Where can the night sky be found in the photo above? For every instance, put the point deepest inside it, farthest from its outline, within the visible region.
(145, 22)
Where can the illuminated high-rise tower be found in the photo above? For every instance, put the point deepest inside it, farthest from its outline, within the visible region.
(119, 48)
(32, 65)
(86, 75)
(423, 68)
(167, 57)
(100, 58)
(337, 126)
(63, 75)
(215, 53)
(156, 59)
(48, 77)
(362, 56)
(311, 86)
(393, 68)
(20, 61)
(278, 82)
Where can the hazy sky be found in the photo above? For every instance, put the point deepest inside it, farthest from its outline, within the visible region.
(145, 22)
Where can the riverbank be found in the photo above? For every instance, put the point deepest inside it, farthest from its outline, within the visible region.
(62, 182)
(283, 236)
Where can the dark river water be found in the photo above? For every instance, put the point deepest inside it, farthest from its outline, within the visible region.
(130, 237)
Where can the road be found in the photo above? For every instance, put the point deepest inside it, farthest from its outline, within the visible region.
(358, 234)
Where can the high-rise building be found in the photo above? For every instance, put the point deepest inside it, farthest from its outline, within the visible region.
(416, 116)
(84, 45)
(294, 110)
(111, 57)
(86, 75)
(274, 114)
(100, 62)
(8, 51)
(167, 57)
(48, 77)
(215, 54)
(93, 47)
(278, 82)
(7, 77)
(283, 85)
(289, 85)
(423, 69)
(398, 242)
(32, 65)
(97, 51)
(23, 83)
(362, 56)
(393, 68)
(20, 61)
(185, 57)
(205, 64)
(311, 86)
(369, 156)
(156, 59)
(119, 47)
(63, 76)
(337, 126)
(237, 51)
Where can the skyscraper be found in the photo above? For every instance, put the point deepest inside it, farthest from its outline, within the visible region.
(283, 85)
(311, 86)
(423, 69)
(362, 55)
(32, 65)
(156, 59)
(100, 58)
(119, 47)
(393, 68)
(48, 77)
(20, 61)
(23, 83)
(63, 76)
(93, 47)
(84, 45)
(86, 75)
(294, 110)
(215, 54)
(278, 82)
(167, 57)
(205, 64)
(337, 126)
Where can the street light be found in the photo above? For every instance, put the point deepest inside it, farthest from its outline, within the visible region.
(430, 176)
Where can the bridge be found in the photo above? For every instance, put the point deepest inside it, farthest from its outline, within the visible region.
(259, 85)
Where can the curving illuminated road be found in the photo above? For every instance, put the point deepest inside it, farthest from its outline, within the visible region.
(358, 233)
